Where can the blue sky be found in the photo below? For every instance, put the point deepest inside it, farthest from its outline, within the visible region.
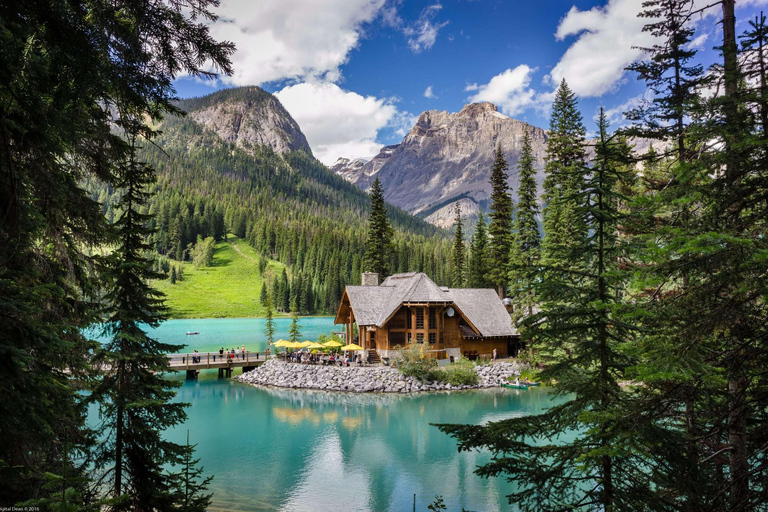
(355, 74)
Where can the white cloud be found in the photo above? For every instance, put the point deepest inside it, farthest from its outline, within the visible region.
(615, 115)
(402, 122)
(428, 93)
(422, 35)
(698, 42)
(292, 39)
(509, 90)
(337, 122)
(606, 43)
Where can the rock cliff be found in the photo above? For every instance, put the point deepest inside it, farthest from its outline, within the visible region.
(248, 117)
(447, 157)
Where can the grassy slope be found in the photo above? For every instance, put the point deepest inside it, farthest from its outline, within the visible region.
(229, 288)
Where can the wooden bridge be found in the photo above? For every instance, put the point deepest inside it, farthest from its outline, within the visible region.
(193, 363)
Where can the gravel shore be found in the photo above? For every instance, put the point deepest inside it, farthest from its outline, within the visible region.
(375, 379)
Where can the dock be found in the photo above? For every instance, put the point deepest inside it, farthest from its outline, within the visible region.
(193, 363)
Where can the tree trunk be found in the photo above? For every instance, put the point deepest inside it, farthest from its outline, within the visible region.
(737, 438)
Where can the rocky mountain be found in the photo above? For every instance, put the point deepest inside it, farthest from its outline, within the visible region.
(248, 117)
(447, 158)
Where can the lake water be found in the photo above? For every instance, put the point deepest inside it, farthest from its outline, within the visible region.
(272, 449)
(216, 333)
(303, 450)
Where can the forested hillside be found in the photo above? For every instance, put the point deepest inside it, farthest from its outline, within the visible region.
(288, 206)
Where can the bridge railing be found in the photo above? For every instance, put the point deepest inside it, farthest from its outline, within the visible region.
(192, 359)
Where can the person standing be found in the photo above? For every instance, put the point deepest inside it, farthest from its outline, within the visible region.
(494, 354)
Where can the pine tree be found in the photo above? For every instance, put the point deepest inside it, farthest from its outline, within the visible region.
(600, 463)
(378, 245)
(269, 322)
(755, 67)
(524, 264)
(457, 279)
(263, 294)
(173, 275)
(294, 330)
(478, 269)
(191, 486)
(62, 91)
(564, 179)
(670, 73)
(500, 226)
(135, 399)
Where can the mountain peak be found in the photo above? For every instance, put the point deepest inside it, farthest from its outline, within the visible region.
(248, 117)
(475, 109)
(447, 157)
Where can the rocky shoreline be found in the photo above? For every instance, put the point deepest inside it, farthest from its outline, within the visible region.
(365, 379)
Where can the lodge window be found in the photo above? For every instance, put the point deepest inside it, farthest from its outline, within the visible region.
(408, 336)
(419, 318)
(432, 337)
(407, 319)
(433, 318)
(419, 337)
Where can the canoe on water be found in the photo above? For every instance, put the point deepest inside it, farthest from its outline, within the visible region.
(514, 386)
(532, 383)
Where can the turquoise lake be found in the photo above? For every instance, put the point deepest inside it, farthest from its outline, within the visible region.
(272, 449)
(216, 333)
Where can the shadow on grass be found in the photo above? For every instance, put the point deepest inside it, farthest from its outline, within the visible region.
(220, 261)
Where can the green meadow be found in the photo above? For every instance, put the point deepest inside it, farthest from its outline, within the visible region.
(229, 288)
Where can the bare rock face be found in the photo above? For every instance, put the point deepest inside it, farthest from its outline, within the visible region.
(249, 117)
(448, 157)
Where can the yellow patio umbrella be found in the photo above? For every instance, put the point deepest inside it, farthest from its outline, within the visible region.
(352, 347)
(295, 345)
(315, 345)
(281, 343)
(332, 344)
(304, 344)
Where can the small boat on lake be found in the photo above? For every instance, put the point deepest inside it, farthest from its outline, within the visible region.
(192, 333)
(532, 383)
(513, 386)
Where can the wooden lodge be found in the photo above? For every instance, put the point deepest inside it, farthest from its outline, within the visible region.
(411, 309)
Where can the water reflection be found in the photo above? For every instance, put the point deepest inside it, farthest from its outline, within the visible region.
(285, 449)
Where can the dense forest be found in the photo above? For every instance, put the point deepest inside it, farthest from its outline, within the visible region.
(644, 302)
(289, 207)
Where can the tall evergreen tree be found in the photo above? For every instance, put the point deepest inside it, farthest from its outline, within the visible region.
(500, 225)
(754, 44)
(294, 330)
(269, 322)
(600, 464)
(526, 249)
(457, 279)
(135, 399)
(478, 268)
(378, 245)
(60, 89)
(564, 178)
(670, 72)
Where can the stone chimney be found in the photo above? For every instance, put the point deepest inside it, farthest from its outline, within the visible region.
(370, 279)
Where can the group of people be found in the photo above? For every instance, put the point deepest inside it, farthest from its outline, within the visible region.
(232, 354)
(333, 358)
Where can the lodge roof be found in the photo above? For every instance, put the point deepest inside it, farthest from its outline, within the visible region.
(374, 305)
